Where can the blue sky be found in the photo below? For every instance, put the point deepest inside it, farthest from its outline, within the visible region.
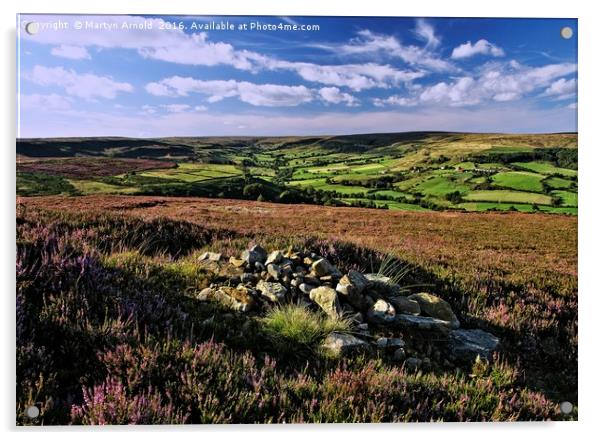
(178, 76)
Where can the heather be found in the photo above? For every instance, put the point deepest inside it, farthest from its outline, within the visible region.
(110, 330)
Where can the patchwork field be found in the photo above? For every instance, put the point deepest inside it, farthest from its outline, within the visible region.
(398, 171)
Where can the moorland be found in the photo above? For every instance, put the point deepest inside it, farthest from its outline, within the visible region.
(127, 249)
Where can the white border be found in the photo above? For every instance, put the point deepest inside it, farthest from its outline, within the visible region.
(590, 163)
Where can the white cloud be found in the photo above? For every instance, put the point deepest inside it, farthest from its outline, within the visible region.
(395, 100)
(357, 77)
(176, 46)
(44, 102)
(369, 42)
(71, 52)
(176, 108)
(481, 47)
(562, 88)
(335, 96)
(426, 32)
(572, 106)
(269, 95)
(86, 85)
(494, 82)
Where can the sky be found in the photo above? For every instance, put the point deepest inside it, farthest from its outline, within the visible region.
(157, 76)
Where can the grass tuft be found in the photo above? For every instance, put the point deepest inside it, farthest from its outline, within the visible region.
(292, 324)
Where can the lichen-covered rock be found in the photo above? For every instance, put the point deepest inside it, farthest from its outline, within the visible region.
(275, 292)
(327, 299)
(405, 305)
(323, 267)
(351, 287)
(436, 307)
(381, 313)
(342, 344)
(238, 299)
(466, 345)
(382, 284)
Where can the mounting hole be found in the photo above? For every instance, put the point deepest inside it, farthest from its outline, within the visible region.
(566, 33)
(32, 412)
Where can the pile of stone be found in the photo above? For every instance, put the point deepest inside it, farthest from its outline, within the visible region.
(374, 303)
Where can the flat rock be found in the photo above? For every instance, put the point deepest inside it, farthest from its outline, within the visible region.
(275, 292)
(323, 267)
(382, 284)
(342, 344)
(327, 299)
(238, 299)
(427, 323)
(436, 307)
(466, 345)
(405, 305)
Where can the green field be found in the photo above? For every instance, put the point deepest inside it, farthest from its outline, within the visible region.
(430, 171)
(508, 197)
(546, 168)
(519, 180)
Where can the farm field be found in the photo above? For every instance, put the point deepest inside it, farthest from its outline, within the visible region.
(432, 171)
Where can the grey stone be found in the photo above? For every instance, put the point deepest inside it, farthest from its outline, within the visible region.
(247, 278)
(436, 307)
(305, 288)
(351, 287)
(238, 299)
(426, 323)
(381, 313)
(274, 257)
(275, 292)
(328, 301)
(405, 305)
(341, 344)
(381, 343)
(275, 271)
(382, 284)
(205, 294)
(323, 267)
(256, 254)
(399, 355)
(466, 345)
(413, 363)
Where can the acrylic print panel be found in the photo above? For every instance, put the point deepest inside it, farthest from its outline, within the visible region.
(295, 219)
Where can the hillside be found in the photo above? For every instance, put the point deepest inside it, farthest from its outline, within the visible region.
(398, 171)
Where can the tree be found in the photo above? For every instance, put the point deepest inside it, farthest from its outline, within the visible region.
(252, 190)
